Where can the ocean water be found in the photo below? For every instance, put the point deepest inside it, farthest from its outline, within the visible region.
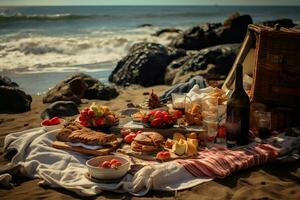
(40, 46)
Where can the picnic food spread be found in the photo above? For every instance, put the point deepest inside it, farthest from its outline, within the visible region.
(194, 148)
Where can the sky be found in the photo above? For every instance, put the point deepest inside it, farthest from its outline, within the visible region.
(146, 2)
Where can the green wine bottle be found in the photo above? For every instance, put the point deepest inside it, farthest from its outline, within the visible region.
(237, 113)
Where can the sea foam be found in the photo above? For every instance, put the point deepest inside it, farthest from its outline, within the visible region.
(33, 53)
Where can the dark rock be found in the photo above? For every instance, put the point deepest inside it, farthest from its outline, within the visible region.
(181, 88)
(235, 31)
(197, 37)
(145, 65)
(144, 25)
(60, 109)
(173, 68)
(211, 63)
(175, 53)
(14, 100)
(210, 34)
(6, 81)
(166, 30)
(79, 86)
(287, 23)
(71, 89)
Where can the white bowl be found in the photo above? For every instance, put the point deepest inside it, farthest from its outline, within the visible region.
(107, 173)
(54, 127)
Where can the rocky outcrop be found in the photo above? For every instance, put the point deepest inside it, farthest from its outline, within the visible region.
(145, 65)
(14, 100)
(60, 109)
(211, 63)
(166, 30)
(144, 25)
(287, 23)
(210, 34)
(79, 86)
(6, 81)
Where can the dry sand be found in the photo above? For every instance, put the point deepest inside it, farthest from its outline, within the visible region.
(267, 182)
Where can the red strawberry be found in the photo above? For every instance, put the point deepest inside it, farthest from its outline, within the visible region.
(91, 113)
(129, 138)
(163, 155)
(105, 164)
(84, 113)
(158, 114)
(178, 114)
(113, 161)
(110, 119)
(100, 121)
(54, 121)
(46, 122)
(168, 119)
(152, 112)
(82, 118)
(164, 112)
(84, 123)
(166, 154)
(125, 132)
(146, 118)
(156, 122)
(116, 164)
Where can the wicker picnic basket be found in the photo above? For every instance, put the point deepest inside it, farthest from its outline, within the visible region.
(271, 56)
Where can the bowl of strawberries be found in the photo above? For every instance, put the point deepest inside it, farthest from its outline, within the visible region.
(98, 117)
(108, 167)
(161, 118)
(52, 123)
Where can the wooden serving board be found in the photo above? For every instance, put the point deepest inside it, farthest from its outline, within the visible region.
(167, 132)
(97, 152)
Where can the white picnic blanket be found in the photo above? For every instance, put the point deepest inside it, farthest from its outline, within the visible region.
(60, 168)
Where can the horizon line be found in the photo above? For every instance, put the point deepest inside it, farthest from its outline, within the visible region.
(151, 5)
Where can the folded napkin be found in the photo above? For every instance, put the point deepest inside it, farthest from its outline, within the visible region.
(65, 169)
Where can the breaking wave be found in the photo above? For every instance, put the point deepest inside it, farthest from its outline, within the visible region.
(38, 53)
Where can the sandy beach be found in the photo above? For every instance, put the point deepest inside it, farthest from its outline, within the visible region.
(266, 182)
(121, 54)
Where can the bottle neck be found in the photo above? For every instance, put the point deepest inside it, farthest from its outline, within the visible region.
(239, 77)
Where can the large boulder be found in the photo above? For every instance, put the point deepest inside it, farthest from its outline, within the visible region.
(14, 100)
(79, 86)
(60, 109)
(145, 65)
(6, 81)
(212, 63)
(210, 34)
(197, 37)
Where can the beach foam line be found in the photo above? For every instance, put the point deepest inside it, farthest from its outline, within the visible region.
(62, 16)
